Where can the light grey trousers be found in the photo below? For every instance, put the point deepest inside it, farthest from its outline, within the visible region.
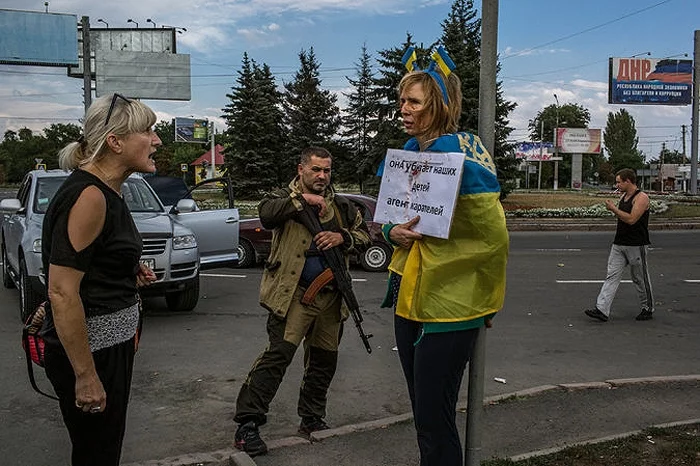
(619, 258)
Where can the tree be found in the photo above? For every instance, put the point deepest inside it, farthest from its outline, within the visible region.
(386, 124)
(20, 150)
(312, 117)
(461, 37)
(58, 135)
(621, 141)
(253, 137)
(553, 116)
(171, 154)
(361, 110)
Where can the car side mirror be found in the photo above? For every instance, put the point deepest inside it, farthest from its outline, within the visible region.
(10, 206)
(185, 205)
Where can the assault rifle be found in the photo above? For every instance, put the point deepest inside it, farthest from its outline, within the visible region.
(336, 262)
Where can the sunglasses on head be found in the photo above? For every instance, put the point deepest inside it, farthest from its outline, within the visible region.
(111, 106)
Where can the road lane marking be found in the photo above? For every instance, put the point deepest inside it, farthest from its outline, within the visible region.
(692, 281)
(588, 281)
(225, 275)
(558, 250)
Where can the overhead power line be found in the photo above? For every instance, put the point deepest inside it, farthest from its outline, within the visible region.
(593, 28)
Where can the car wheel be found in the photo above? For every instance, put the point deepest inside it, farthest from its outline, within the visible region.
(184, 300)
(376, 258)
(28, 298)
(246, 254)
(7, 281)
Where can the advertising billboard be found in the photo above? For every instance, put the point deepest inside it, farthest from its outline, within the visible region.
(530, 151)
(650, 81)
(191, 130)
(38, 39)
(578, 140)
(144, 75)
(102, 40)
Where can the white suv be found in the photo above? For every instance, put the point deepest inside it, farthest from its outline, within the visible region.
(177, 243)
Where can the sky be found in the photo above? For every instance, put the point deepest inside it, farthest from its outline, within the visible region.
(545, 47)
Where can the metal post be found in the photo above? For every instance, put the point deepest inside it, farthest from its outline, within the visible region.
(487, 130)
(87, 73)
(213, 151)
(539, 168)
(694, 120)
(556, 148)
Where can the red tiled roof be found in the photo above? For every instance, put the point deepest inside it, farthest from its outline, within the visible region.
(219, 157)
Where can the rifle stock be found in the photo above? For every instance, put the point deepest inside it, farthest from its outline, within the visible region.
(336, 262)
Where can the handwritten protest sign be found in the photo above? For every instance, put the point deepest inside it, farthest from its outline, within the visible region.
(420, 183)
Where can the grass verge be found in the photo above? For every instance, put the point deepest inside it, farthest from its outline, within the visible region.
(679, 445)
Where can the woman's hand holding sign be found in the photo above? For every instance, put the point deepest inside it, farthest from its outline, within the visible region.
(403, 235)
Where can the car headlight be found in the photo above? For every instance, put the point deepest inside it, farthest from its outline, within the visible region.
(36, 246)
(184, 242)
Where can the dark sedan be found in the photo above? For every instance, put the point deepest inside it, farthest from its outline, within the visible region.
(254, 240)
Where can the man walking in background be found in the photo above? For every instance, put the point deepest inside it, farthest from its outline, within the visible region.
(629, 248)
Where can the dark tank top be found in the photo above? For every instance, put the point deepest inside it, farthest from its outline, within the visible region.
(636, 234)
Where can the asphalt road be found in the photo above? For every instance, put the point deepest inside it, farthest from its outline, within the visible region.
(190, 366)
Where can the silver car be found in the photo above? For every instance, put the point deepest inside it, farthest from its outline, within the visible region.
(177, 243)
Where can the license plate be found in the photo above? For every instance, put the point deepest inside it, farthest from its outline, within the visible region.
(150, 263)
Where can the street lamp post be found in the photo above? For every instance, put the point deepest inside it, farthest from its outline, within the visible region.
(100, 20)
(149, 20)
(556, 147)
(539, 169)
(132, 21)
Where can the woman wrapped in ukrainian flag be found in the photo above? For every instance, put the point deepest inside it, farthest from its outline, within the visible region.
(444, 290)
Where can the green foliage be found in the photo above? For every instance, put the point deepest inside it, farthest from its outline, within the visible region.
(361, 110)
(386, 124)
(254, 139)
(312, 117)
(621, 141)
(461, 37)
(554, 116)
(669, 156)
(598, 210)
(18, 150)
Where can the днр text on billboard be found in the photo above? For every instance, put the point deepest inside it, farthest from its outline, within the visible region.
(650, 81)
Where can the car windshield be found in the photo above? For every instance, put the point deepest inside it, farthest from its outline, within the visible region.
(135, 191)
(45, 190)
(139, 197)
(168, 189)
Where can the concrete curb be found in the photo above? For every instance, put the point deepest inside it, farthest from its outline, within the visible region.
(233, 457)
(568, 224)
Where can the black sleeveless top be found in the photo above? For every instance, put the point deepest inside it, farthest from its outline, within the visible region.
(636, 234)
(110, 263)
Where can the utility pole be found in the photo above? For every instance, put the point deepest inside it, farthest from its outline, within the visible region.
(487, 130)
(694, 120)
(683, 128)
(556, 147)
(87, 73)
(213, 150)
(539, 169)
(661, 166)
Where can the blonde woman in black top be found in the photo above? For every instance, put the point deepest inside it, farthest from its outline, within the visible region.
(91, 250)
